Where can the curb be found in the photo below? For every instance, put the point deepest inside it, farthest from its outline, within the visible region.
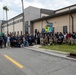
(63, 55)
(52, 51)
(58, 52)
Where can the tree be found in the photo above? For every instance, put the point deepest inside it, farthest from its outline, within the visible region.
(6, 9)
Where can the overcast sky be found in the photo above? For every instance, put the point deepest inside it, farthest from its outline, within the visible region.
(15, 5)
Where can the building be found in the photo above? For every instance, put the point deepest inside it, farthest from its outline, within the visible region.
(15, 24)
(32, 13)
(63, 20)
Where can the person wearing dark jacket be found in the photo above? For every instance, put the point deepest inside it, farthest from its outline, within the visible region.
(5, 40)
(11, 41)
(1, 41)
(38, 39)
(30, 40)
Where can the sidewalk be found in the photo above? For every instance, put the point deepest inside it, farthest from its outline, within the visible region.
(50, 52)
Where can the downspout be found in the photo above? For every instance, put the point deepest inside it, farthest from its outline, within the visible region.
(72, 20)
(1, 26)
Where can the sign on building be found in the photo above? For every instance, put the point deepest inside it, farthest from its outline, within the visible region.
(48, 28)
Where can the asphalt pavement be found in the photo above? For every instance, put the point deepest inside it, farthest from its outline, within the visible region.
(33, 63)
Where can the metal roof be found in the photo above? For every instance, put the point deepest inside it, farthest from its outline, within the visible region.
(47, 11)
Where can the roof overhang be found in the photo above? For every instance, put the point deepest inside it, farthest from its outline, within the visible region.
(55, 15)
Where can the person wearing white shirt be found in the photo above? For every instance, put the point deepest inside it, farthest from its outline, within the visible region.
(8, 40)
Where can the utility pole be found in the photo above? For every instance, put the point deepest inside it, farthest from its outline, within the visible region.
(23, 17)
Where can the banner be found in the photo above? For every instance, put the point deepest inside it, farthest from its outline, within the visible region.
(49, 27)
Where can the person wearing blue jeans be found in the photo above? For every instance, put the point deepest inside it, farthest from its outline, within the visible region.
(26, 43)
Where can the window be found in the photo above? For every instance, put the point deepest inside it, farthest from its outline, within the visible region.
(17, 32)
(21, 32)
(26, 27)
(64, 29)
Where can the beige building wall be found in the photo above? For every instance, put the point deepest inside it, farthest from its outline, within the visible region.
(18, 28)
(4, 30)
(10, 28)
(37, 26)
(58, 23)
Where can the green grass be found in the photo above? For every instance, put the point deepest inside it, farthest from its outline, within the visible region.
(63, 48)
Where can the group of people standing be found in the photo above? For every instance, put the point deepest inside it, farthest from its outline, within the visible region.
(12, 40)
(38, 38)
(59, 38)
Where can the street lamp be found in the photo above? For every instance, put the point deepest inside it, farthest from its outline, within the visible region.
(23, 17)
